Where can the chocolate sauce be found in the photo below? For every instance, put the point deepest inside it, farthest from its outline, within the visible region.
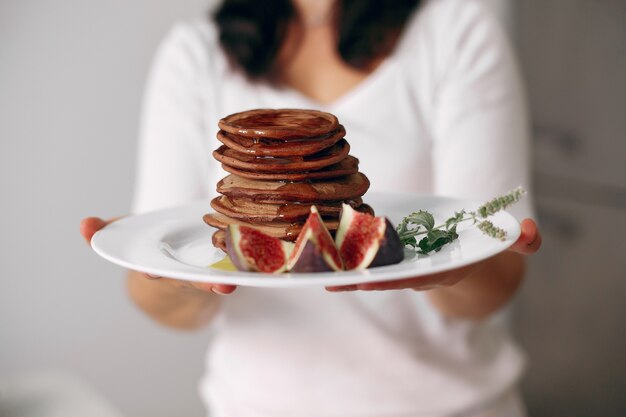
(293, 231)
(279, 124)
(272, 147)
(292, 211)
(281, 163)
(304, 191)
(320, 160)
(348, 165)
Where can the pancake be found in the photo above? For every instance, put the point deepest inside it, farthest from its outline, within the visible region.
(279, 123)
(284, 231)
(320, 160)
(348, 165)
(344, 188)
(281, 162)
(250, 211)
(277, 148)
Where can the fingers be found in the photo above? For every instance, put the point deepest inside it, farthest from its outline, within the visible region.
(422, 283)
(89, 226)
(341, 288)
(221, 289)
(417, 284)
(388, 285)
(529, 240)
(151, 277)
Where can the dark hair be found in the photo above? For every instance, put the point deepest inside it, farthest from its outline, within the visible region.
(251, 32)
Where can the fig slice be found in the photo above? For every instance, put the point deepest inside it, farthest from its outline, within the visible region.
(252, 250)
(366, 241)
(314, 250)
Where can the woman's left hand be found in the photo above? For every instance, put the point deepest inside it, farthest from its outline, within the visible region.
(527, 244)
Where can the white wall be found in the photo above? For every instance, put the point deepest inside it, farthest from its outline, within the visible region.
(71, 76)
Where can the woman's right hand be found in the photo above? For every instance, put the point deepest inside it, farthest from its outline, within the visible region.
(171, 301)
(90, 225)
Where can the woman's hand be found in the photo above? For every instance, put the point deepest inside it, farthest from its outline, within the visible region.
(173, 302)
(90, 225)
(528, 243)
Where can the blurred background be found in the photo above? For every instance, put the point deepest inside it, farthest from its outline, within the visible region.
(71, 78)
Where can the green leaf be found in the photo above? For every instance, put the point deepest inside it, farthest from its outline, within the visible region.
(436, 239)
(422, 218)
(411, 241)
(422, 222)
(453, 221)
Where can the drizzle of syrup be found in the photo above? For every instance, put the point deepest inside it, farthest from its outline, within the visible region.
(292, 210)
(280, 123)
(292, 231)
(224, 265)
(303, 190)
(284, 156)
(297, 121)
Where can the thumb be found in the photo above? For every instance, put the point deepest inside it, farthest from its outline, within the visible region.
(529, 240)
(90, 225)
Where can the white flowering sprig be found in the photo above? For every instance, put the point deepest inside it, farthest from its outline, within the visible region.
(423, 223)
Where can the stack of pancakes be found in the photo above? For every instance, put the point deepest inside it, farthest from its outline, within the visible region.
(280, 163)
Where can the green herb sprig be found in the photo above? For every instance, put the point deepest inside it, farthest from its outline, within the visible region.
(423, 223)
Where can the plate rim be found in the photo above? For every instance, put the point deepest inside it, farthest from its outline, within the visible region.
(294, 280)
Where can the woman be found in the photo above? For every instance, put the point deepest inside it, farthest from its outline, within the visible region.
(431, 101)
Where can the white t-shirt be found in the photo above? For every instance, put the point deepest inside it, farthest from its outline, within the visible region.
(443, 114)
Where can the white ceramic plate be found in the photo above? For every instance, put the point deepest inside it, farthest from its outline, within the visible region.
(177, 243)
